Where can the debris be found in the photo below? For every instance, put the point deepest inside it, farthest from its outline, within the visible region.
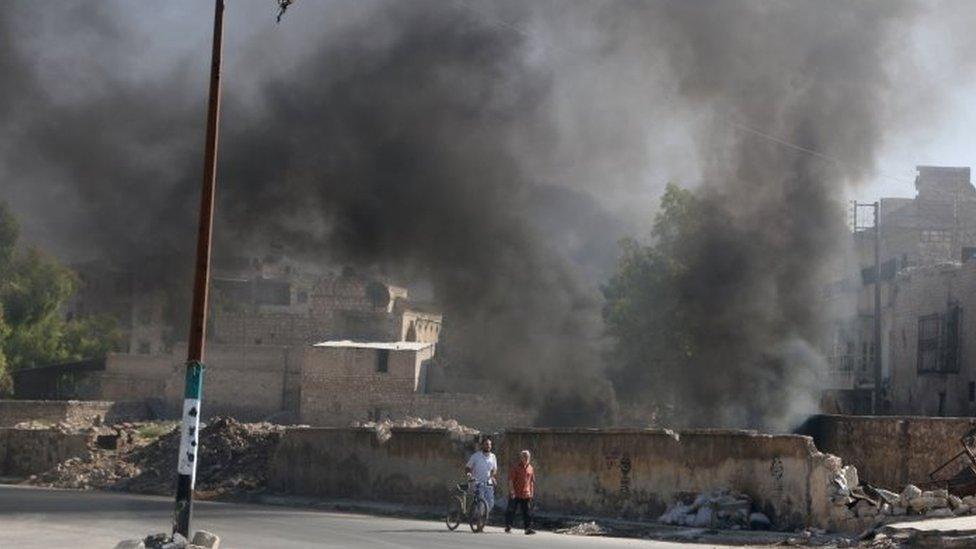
(233, 457)
(719, 509)
(206, 539)
(939, 513)
(455, 430)
(583, 529)
(759, 521)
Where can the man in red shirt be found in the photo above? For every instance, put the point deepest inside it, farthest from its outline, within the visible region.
(521, 490)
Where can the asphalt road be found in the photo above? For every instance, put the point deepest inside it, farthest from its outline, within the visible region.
(33, 518)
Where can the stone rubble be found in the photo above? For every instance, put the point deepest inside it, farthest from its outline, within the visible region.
(233, 460)
(724, 509)
(455, 430)
(860, 506)
(201, 540)
(583, 529)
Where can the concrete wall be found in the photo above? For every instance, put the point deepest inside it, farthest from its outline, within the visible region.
(890, 451)
(616, 473)
(414, 467)
(25, 452)
(636, 473)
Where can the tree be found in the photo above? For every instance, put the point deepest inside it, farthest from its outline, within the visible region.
(643, 309)
(33, 288)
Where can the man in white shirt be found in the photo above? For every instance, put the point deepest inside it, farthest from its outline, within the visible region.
(483, 467)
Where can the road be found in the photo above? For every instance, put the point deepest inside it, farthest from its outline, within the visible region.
(34, 518)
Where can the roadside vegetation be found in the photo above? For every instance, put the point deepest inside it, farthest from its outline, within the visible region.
(33, 289)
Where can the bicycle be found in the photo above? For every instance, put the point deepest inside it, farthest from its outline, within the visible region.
(467, 501)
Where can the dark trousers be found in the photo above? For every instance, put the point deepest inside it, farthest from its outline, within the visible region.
(513, 503)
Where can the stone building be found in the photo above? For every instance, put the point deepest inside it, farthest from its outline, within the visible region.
(347, 381)
(136, 303)
(925, 246)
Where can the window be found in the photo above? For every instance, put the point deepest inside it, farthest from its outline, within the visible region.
(382, 360)
(928, 343)
(144, 348)
(939, 343)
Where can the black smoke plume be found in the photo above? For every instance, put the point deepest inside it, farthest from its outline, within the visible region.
(437, 140)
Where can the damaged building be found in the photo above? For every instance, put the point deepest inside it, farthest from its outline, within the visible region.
(927, 276)
(324, 349)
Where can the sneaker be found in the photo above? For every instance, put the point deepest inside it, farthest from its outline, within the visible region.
(508, 529)
(529, 531)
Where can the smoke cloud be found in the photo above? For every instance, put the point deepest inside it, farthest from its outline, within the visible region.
(494, 150)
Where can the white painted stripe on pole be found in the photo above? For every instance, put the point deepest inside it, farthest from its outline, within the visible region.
(189, 431)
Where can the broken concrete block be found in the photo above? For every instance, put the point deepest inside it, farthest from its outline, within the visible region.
(865, 509)
(961, 510)
(703, 518)
(909, 493)
(926, 503)
(759, 521)
(954, 501)
(888, 496)
(939, 513)
(206, 539)
(898, 511)
(850, 475)
(970, 501)
(131, 544)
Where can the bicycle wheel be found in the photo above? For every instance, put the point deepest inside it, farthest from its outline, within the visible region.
(454, 514)
(479, 515)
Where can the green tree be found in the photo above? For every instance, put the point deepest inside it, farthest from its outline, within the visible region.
(643, 303)
(33, 288)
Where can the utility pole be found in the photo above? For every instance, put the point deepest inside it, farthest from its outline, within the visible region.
(877, 393)
(190, 427)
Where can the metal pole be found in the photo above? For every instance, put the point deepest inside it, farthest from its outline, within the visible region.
(877, 308)
(189, 430)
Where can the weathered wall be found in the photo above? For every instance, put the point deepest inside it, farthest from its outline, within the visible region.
(341, 385)
(928, 291)
(616, 473)
(25, 452)
(13, 412)
(411, 467)
(636, 473)
(249, 382)
(890, 451)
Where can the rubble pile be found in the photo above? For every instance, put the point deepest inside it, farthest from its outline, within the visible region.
(723, 509)
(233, 459)
(457, 432)
(855, 500)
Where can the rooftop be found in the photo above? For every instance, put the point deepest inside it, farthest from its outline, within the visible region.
(389, 345)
